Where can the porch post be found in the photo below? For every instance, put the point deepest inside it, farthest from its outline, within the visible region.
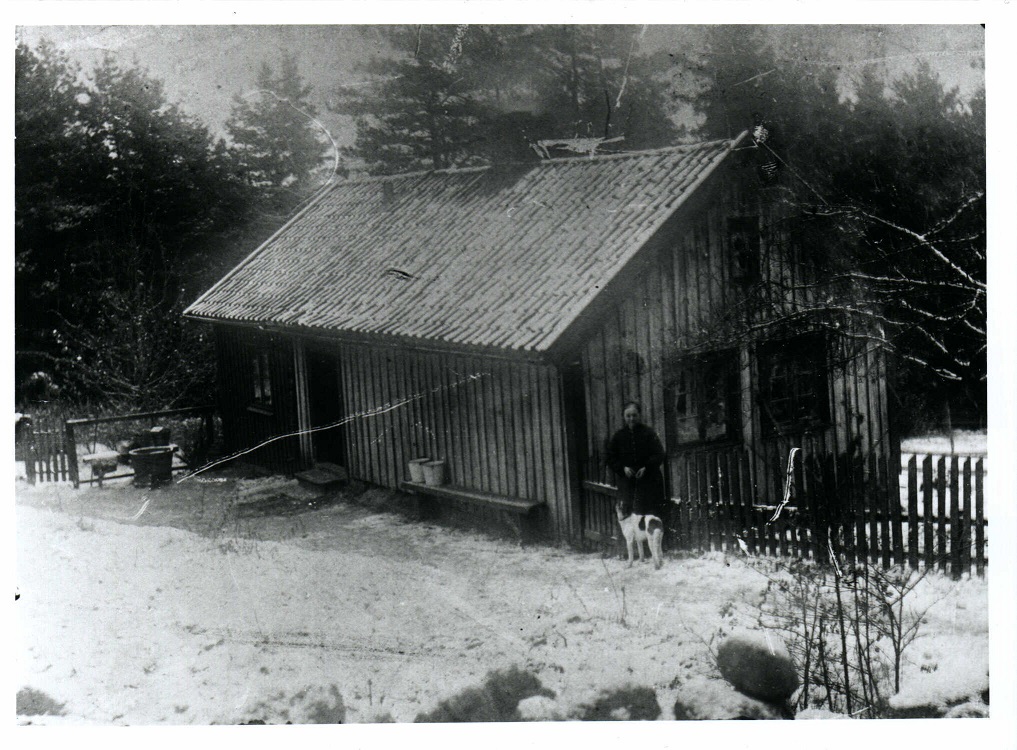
(303, 404)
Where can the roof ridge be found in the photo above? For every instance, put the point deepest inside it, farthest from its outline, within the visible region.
(677, 148)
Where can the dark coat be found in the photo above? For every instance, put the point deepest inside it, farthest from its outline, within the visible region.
(638, 448)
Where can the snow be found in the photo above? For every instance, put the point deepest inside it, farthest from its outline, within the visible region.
(963, 442)
(194, 614)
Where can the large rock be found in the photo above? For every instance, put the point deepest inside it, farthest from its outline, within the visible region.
(715, 700)
(626, 703)
(497, 699)
(969, 710)
(539, 708)
(314, 704)
(758, 666)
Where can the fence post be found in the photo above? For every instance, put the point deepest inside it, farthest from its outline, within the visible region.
(979, 519)
(928, 512)
(955, 518)
(966, 537)
(71, 449)
(30, 456)
(891, 488)
(880, 506)
(941, 512)
(913, 512)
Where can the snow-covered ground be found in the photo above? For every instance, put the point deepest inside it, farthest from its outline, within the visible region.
(178, 606)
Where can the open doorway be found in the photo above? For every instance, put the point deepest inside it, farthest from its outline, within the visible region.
(325, 402)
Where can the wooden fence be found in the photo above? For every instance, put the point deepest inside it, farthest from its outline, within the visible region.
(52, 447)
(931, 514)
(39, 443)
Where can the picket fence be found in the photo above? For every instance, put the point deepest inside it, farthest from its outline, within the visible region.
(928, 513)
(40, 445)
(52, 447)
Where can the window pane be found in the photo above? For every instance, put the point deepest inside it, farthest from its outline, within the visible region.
(266, 381)
(794, 381)
(705, 398)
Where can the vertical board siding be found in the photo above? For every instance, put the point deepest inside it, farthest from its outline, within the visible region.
(497, 424)
(667, 315)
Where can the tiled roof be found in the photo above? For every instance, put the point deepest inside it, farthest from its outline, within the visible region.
(502, 257)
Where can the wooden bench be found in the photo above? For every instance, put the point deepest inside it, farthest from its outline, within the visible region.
(102, 463)
(516, 507)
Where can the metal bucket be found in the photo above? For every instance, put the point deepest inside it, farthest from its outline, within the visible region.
(417, 470)
(152, 466)
(434, 473)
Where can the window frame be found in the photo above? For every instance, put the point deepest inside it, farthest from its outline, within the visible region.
(745, 249)
(260, 393)
(807, 375)
(690, 381)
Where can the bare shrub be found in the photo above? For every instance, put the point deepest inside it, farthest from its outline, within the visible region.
(847, 629)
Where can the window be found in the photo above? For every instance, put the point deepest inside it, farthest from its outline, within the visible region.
(793, 382)
(743, 244)
(262, 380)
(703, 401)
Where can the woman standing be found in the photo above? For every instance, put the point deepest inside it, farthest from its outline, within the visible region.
(635, 455)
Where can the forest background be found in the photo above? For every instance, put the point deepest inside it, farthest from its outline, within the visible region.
(128, 204)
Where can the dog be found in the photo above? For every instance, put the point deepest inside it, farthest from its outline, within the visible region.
(639, 529)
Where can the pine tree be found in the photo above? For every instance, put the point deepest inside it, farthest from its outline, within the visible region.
(445, 96)
(893, 176)
(276, 140)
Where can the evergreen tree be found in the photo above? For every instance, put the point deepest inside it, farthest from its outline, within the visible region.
(276, 141)
(119, 193)
(452, 96)
(895, 175)
(49, 208)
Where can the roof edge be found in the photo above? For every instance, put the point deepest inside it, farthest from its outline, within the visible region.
(548, 342)
(514, 354)
(325, 190)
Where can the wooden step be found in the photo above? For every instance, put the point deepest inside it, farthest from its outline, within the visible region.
(323, 477)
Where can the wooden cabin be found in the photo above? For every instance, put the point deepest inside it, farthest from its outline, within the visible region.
(498, 318)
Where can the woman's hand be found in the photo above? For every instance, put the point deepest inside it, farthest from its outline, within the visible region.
(639, 474)
(629, 473)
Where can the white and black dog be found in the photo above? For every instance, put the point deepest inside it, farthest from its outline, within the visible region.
(639, 529)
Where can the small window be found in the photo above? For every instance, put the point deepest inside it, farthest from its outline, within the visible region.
(743, 243)
(262, 380)
(704, 402)
(793, 382)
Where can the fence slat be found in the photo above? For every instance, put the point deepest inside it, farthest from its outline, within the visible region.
(72, 451)
(913, 512)
(979, 519)
(879, 498)
(891, 491)
(862, 534)
(928, 511)
(965, 514)
(955, 518)
(723, 506)
(745, 477)
(681, 480)
(702, 509)
(941, 513)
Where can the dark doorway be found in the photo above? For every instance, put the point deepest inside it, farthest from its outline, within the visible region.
(326, 408)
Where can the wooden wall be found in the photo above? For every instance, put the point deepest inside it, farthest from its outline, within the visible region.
(689, 303)
(246, 425)
(498, 424)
